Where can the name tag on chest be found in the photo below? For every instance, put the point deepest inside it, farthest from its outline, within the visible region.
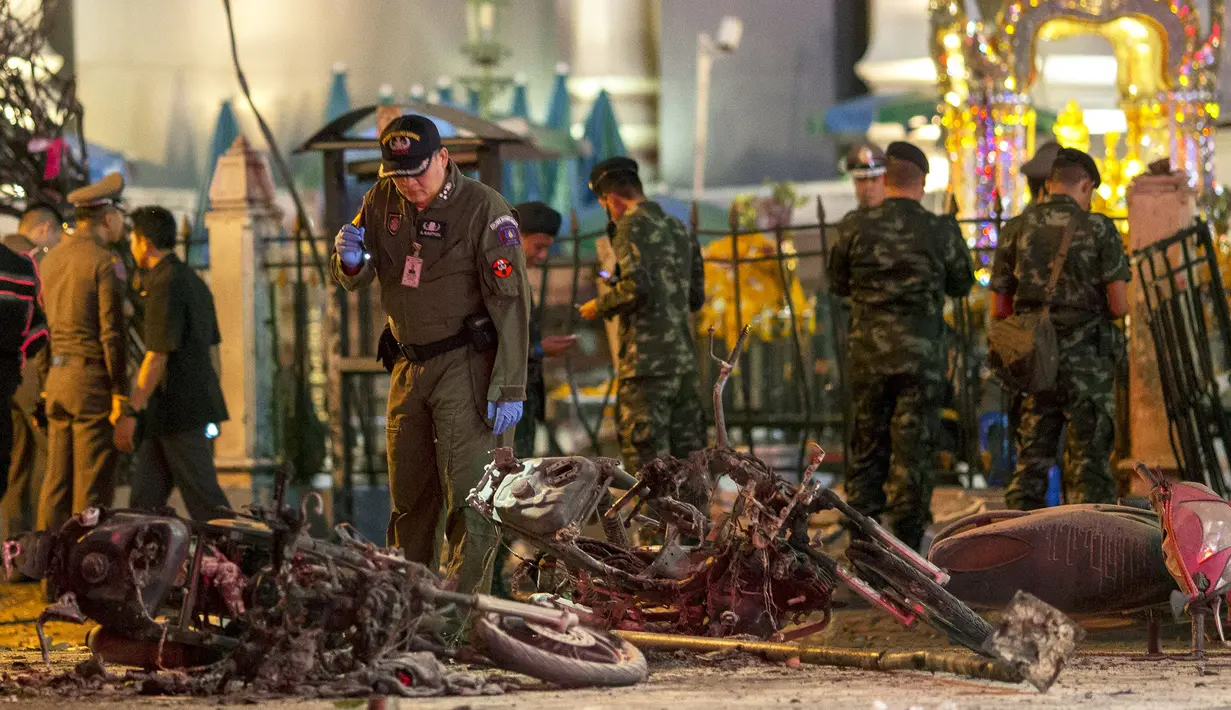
(412, 271)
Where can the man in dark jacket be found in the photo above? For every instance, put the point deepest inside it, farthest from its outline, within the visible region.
(539, 226)
(23, 332)
(176, 392)
(39, 230)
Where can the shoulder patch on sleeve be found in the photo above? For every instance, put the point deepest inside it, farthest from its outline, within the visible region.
(505, 227)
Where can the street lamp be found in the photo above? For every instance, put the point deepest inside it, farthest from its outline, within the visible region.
(729, 32)
(484, 51)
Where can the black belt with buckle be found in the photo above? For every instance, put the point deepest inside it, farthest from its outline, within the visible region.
(427, 351)
(62, 360)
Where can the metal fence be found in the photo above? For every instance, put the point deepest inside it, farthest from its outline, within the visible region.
(789, 390)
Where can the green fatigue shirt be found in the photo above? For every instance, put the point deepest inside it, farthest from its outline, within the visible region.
(472, 263)
(897, 262)
(660, 280)
(180, 323)
(1028, 243)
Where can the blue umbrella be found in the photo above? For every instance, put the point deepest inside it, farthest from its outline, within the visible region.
(103, 161)
(560, 175)
(339, 98)
(602, 133)
(522, 180)
(444, 97)
(226, 130)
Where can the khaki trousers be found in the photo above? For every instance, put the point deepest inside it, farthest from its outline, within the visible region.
(439, 442)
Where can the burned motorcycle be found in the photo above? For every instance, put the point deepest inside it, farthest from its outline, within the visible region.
(257, 593)
(751, 570)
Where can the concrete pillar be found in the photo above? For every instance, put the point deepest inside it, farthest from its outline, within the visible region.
(242, 217)
(615, 48)
(1158, 207)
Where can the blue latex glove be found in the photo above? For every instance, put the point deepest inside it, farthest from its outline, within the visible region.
(504, 415)
(349, 245)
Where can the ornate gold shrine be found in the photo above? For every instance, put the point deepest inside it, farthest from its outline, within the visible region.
(1167, 60)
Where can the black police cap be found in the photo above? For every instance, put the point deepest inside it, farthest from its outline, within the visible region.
(1072, 156)
(407, 145)
(901, 150)
(618, 164)
(538, 218)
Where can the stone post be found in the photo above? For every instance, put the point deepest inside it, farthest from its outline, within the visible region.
(1158, 207)
(242, 217)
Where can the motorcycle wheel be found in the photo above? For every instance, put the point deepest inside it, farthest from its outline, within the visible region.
(575, 658)
(943, 611)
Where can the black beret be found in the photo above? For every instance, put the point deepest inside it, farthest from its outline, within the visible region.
(901, 150)
(538, 218)
(1072, 156)
(618, 164)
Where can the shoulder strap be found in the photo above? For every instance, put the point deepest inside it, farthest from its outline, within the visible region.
(1057, 263)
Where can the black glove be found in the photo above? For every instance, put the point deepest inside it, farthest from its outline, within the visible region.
(387, 349)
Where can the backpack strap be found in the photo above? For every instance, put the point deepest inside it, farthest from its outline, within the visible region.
(1057, 263)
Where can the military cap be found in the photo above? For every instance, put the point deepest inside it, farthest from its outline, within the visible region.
(1039, 167)
(538, 218)
(407, 145)
(865, 160)
(618, 164)
(901, 150)
(104, 193)
(1072, 156)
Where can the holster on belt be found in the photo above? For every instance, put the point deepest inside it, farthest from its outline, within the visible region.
(477, 331)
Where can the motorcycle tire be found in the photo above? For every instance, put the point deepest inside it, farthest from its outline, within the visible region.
(940, 609)
(577, 658)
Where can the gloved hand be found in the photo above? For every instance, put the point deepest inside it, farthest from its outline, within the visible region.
(349, 245)
(504, 415)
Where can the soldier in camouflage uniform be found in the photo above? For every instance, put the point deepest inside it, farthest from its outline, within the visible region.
(897, 262)
(1090, 294)
(659, 281)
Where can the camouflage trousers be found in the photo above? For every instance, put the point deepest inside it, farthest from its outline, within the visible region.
(659, 416)
(1084, 398)
(894, 422)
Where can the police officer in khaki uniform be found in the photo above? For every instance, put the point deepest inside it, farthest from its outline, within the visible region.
(865, 163)
(447, 253)
(87, 385)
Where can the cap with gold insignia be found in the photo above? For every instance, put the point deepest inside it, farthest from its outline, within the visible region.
(407, 146)
(865, 160)
(104, 193)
